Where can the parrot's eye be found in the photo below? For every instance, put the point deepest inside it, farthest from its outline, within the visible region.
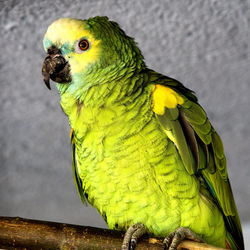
(83, 44)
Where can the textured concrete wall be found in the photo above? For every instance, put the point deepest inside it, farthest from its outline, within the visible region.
(203, 43)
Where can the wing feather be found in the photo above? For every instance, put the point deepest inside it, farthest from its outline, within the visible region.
(76, 176)
(200, 148)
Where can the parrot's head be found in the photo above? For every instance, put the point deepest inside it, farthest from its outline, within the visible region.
(79, 50)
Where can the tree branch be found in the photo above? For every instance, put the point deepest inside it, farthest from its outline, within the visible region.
(19, 233)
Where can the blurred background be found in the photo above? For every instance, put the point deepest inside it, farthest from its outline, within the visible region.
(203, 44)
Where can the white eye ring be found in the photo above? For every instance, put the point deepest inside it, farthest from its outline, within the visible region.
(82, 45)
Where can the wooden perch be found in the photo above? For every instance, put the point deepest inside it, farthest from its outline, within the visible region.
(19, 233)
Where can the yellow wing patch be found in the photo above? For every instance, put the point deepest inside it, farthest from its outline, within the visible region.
(164, 97)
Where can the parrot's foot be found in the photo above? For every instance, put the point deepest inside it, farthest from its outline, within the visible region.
(132, 235)
(174, 239)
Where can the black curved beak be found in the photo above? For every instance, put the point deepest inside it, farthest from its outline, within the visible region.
(55, 67)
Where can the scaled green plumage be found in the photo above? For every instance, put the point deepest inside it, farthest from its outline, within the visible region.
(132, 163)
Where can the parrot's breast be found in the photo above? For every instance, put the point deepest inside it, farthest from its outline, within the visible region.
(128, 166)
(117, 167)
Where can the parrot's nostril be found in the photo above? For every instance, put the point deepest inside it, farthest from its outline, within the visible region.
(53, 50)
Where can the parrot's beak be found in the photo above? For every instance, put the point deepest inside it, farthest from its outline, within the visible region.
(55, 67)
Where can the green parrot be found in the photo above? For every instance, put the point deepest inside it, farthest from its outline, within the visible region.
(144, 152)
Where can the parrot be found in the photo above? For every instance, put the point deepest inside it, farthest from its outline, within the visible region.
(144, 152)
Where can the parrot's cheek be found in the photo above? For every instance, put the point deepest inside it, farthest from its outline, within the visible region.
(56, 68)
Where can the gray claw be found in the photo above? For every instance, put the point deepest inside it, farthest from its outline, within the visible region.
(132, 235)
(172, 241)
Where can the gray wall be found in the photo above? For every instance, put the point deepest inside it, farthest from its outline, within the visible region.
(202, 43)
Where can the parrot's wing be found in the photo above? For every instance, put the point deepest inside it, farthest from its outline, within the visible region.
(77, 178)
(200, 147)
